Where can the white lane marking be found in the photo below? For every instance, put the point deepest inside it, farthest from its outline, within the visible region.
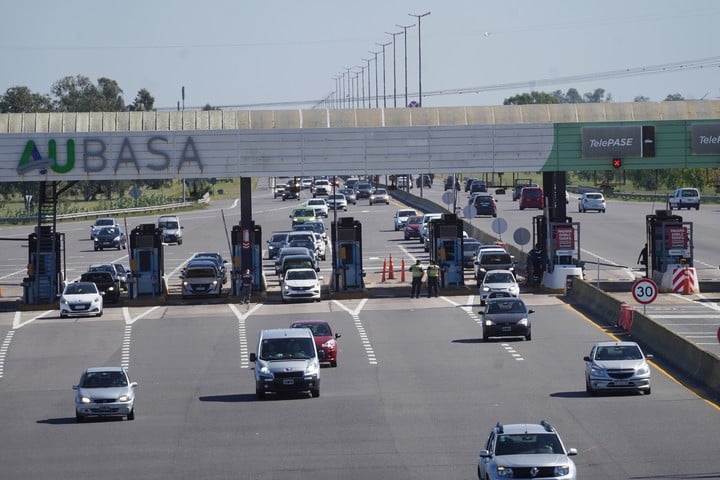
(512, 351)
(130, 320)
(18, 316)
(628, 271)
(242, 332)
(125, 352)
(4, 349)
(355, 314)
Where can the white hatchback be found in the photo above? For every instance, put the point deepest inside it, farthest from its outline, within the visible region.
(498, 283)
(591, 201)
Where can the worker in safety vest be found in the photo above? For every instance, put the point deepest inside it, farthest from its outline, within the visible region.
(433, 274)
(417, 271)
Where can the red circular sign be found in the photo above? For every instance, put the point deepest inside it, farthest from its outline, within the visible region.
(644, 291)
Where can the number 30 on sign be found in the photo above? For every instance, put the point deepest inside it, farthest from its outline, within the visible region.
(644, 291)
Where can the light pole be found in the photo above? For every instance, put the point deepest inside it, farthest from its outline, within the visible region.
(405, 27)
(383, 45)
(394, 71)
(362, 84)
(369, 97)
(376, 80)
(349, 90)
(356, 90)
(419, 17)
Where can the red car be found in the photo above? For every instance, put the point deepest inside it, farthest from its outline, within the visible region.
(532, 197)
(325, 340)
(412, 227)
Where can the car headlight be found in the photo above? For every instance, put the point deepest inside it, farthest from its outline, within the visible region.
(270, 247)
(329, 344)
(185, 283)
(214, 282)
(85, 399)
(124, 398)
(485, 289)
(116, 239)
(489, 323)
(313, 368)
(110, 289)
(523, 322)
(596, 371)
(643, 370)
(63, 301)
(562, 470)
(504, 472)
(95, 239)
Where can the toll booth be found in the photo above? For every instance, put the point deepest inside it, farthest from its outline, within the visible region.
(346, 236)
(559, 250)
(669, 245)
(446, 249)
(246, 245)
(45, 280)
(147, 263)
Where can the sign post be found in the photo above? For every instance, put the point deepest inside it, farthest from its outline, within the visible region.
(644, 291)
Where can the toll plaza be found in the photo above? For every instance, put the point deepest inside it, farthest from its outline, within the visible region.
(346, 237)
(147, 263)
(446, 249)
(668, 254)
(45, 280)
(246, 245)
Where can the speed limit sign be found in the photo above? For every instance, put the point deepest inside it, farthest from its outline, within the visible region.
(644, 291)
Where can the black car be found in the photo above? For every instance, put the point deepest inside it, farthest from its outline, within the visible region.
(449, 182)
(291, 193)
(110, 237)
(485, 204)
(423, 181)
(470, 247)
(363, 190)
(105, 283)
(276, 241)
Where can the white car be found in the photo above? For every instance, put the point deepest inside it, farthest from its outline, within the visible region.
(301, 284)
(401, 217)
(591, 201)
(684, 198)
(104, 392)
(81, 299)
(319, 205)
(337, 202)
(497, 283)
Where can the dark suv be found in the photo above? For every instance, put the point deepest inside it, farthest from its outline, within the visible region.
(363, 190)
(492, 259)
(105, 283)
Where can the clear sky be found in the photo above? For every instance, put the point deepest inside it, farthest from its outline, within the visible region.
(283, 52)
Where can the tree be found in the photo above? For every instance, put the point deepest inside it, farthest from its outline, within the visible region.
(78, 94)
(144, 102)
(531, 98)
(674, 97)
(641, 99)
(209, 107)
(22, 100)
(598, 96)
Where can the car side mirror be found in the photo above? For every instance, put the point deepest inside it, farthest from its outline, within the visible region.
(74, 387)
(253, 357)
(133, 385)
(337, 335)
(649, 356)
(531, 311)
(587, 358)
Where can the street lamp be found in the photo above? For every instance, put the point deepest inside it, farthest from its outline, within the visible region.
(419, 55)
(394, 72)
(376, 80)
(349, 90)
(405, 27)
(383, 45)
(356, 91)
(369, 97)
(362, 84)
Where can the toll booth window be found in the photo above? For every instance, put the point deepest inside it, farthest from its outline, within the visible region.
(145, 261)
(346, 253)
(449, 248)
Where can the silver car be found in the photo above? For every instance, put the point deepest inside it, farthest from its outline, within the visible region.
(525, 450)
(591, 201)
(617, 366)
(104, 392)
(380, 195)
(498, 281)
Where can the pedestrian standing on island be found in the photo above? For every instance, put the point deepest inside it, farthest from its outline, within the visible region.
(417, 271)
(433, 274)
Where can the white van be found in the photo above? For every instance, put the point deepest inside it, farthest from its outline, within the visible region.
(286, 361)
(684, 198)
(171, 229)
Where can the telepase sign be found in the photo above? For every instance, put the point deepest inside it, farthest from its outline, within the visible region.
(615, 142)
(705, 139)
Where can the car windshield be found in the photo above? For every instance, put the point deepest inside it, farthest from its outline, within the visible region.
(199, 272)
(300, 275)
(103, 380)
(287, 349)
(523, 444)
(317, 329)
(80, 288)
(499, 277)
(619, 352)
(593, 196)
(170, 225)
(104, 221)
(689, 193)
(531, 193)
(97, 277)
(304, 213)
(380, 191)
(496, 258)
(414, 220)
(279, 237)
(470, 247)
(506, 306)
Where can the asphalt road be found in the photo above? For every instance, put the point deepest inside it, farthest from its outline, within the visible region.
(414, 396)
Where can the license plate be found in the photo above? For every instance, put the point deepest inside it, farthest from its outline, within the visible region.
(620, 382)
(288, 381)
(78, 307)
(506, 329)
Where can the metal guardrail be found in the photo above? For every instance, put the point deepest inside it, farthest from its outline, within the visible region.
(100, 213)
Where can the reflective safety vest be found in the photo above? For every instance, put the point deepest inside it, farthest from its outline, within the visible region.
(433, 270)
(417, 270)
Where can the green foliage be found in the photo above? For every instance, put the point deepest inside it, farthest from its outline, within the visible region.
(21, 99)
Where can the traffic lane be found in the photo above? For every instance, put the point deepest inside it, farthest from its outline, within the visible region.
(45, 359)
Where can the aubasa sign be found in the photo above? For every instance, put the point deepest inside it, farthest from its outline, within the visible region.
(96, 156)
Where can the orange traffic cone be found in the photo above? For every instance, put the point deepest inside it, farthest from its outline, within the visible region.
(402, 270)
(391, 271)
(687, 288)
(382, 279)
